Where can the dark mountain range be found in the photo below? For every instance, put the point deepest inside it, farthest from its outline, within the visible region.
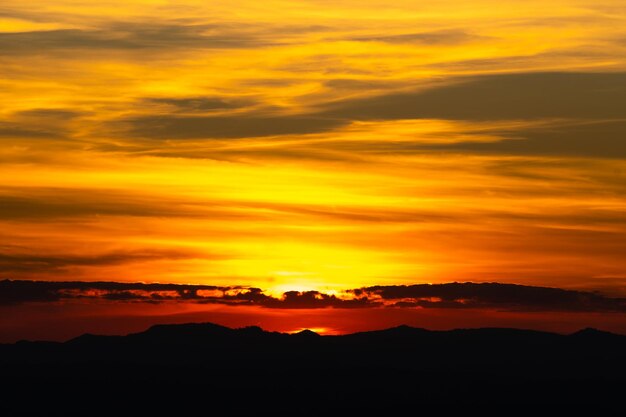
(210, 369)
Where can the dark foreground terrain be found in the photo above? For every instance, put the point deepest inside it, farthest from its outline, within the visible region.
(206, 369)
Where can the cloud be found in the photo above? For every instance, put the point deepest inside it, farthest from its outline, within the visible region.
(51, 203)
(136, 36)
(43, 203)
(492, 296)
(498, 97)
(439, 37)
(315, 299)
(21, 131)
(239, 126)
(38, 123)
(581, 112)
(32, 14)
(48, 203)
(578, 56)
(17, 292)
(198, 104)
(131, 36)
(61, 114)
(589, 139)
(600, 139)
(580, 115)
(508, 297)
(33, 263)
(357, 84)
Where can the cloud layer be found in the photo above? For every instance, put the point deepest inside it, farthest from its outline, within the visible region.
(507, 297)
(316, 148)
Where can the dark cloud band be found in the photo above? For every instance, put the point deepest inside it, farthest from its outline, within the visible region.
(499, 97)
(236, 126)
(129, 36)
(509, 297)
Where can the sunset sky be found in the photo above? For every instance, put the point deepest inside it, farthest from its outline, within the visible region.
(311, 146)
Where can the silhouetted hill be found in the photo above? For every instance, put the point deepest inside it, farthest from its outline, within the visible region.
(202, 367)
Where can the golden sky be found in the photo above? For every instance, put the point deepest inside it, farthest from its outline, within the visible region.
(314, 144)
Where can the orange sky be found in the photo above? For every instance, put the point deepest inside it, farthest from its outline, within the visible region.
(314, 145)
(64, 321)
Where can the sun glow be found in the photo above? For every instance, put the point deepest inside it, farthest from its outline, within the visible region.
(325, 331)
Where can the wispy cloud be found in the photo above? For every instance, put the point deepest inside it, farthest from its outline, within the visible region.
(239, 126)
(197, 104)
(19, 131)
(438, 37)
(130, 36)
(498, 97)
(33, 264)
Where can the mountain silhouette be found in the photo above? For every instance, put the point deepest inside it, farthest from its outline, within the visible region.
(205, 368)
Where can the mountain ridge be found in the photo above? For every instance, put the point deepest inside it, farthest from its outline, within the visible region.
(208, 328)
(386, 370)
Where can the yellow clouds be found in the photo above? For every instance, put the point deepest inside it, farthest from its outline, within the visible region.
(327, 224)
(314, 144)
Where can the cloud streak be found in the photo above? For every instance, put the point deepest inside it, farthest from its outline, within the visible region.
(138, 36)
(499, 97)
(590, 140)
(236, 126)
(28, 263)
(197, 104)
(439, 37)
(22, 131)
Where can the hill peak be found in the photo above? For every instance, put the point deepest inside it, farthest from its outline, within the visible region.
(306, 333)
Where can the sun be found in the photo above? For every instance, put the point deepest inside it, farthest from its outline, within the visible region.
(301, 266)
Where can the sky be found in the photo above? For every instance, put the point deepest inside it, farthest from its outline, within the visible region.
(313, 146)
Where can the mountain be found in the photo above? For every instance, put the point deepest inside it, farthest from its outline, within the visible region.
(204, 367)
